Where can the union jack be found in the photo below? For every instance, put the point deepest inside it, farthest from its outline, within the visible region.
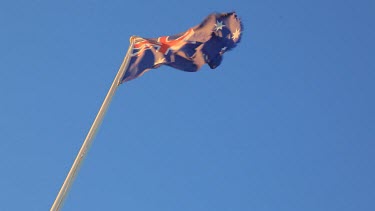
(163, 44)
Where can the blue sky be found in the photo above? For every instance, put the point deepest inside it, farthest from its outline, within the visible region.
(285, 123)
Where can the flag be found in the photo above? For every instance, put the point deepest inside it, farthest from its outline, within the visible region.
(188, 51)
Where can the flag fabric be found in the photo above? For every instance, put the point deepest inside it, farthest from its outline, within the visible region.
(188, 51)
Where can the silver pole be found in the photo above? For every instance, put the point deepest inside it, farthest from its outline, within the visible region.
(57, 204)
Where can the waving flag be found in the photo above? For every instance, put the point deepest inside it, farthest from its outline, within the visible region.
(187, 51)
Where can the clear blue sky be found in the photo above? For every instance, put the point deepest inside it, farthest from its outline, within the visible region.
(287, 122)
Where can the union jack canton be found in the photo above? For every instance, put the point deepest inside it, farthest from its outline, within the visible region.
(187, 51)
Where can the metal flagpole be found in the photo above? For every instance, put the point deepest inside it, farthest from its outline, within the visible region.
(57, 204)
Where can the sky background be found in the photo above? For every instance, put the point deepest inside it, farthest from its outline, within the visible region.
(286, 122)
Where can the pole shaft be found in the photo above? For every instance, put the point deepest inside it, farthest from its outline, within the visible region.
(91, 134)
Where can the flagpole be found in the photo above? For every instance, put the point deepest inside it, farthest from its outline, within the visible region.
(57, 204)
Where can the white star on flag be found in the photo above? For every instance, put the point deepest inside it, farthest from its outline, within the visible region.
(223, 50)
(219, 25)
(236, 34)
